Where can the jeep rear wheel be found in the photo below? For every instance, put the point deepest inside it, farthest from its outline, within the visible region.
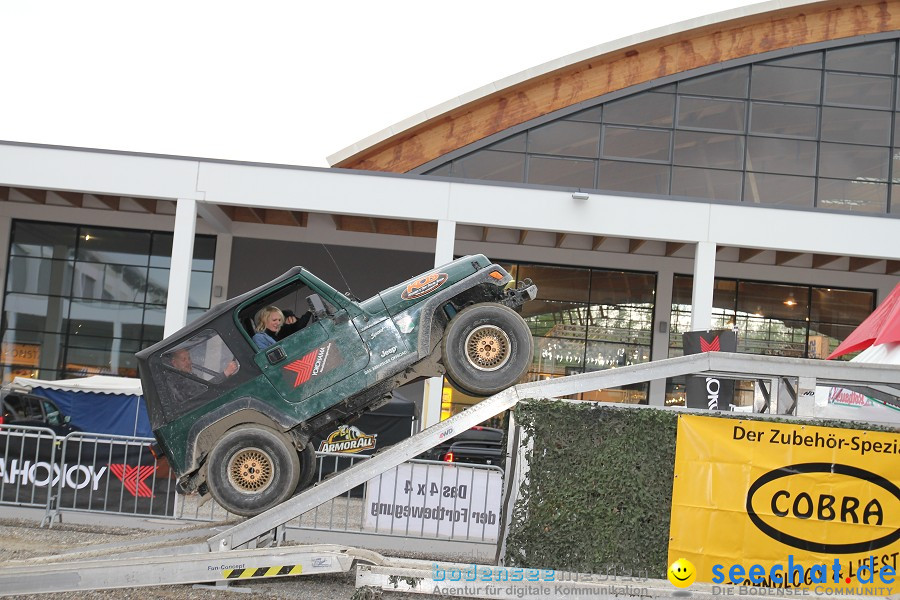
(486, 349)
(307, 467)
(251, 469)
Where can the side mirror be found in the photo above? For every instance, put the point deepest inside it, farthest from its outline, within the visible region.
(320, 310)
(316, 306)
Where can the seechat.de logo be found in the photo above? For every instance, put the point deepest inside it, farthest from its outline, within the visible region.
(787, 505)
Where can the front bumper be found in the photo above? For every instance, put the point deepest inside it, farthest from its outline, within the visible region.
(525, 291)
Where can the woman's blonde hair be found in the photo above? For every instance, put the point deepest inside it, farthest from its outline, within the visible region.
(259, 323)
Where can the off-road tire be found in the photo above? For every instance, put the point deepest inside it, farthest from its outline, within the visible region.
(251, 469)
(486, 349)
(308, 464)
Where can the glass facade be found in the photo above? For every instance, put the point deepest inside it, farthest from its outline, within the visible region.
(770, 318)
(583, 320)
(81, 300)
(815, 131)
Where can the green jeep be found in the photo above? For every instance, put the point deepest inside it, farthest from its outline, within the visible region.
(235, 420)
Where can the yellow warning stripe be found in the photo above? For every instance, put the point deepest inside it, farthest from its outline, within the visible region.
(262, 572)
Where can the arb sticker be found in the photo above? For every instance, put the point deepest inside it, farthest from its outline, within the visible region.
(424, 285)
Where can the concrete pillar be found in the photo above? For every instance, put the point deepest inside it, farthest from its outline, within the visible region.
(704, 282)
(434, 386)
(180, 269)
(222, 268)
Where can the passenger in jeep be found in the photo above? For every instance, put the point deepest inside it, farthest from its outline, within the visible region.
(181, 360)
(267, 324)
(272, 325)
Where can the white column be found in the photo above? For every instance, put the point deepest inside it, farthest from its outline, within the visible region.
(446, 239)
(180, 270)
(704, 281)
(222, 268)
(434, 386)
(659, 345)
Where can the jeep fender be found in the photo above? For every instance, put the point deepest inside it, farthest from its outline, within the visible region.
(211, 426)
(430, 329)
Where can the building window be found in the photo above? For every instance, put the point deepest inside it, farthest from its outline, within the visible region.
(770, 318)
(81, 300)
(816, 130)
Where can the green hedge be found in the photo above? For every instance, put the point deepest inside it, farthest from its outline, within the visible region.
(599, 488)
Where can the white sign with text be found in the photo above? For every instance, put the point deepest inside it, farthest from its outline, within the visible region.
(452, 501)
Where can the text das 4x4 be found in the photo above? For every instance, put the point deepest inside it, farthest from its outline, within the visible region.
(447, 491)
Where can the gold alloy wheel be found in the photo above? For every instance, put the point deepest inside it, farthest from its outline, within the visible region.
(487, 348)
(250, 470)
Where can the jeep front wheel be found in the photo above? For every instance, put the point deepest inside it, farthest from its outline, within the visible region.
(251, 469)
(486, 349)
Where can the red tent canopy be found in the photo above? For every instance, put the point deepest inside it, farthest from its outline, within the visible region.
(881, 327)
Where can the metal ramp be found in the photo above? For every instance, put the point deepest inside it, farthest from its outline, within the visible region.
(240, 565)
(242, 545)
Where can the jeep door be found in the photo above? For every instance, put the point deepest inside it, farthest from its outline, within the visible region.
(310, 361)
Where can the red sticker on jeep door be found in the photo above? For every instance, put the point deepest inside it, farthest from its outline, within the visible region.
(314, 363)
(424, 285)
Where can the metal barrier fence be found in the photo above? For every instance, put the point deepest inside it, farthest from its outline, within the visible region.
(419, 498)
(28, 466)
(118, 475)
(82, 472)
(121, 476)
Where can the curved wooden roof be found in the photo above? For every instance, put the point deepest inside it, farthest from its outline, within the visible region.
(631, 61)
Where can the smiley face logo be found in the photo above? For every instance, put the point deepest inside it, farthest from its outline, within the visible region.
(682, 573)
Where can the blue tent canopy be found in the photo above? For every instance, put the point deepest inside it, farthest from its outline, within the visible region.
(98, 404)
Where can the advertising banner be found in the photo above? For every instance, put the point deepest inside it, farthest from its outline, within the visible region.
(99, 475)
(774, 504)
(453, 502)
(709, 392)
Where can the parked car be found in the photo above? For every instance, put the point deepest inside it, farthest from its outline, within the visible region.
(474, 453)
(479, 445)
(22, 408)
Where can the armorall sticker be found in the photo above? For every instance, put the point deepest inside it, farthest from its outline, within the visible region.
(348, 440)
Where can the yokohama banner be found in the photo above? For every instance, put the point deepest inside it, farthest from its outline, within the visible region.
(709, 392)
(83, 472)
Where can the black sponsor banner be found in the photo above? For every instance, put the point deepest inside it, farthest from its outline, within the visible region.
(709, 392)
(90, 474)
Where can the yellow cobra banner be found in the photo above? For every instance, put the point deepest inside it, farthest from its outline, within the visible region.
(773, 504)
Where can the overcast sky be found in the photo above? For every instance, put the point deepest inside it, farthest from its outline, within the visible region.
(277, 81)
